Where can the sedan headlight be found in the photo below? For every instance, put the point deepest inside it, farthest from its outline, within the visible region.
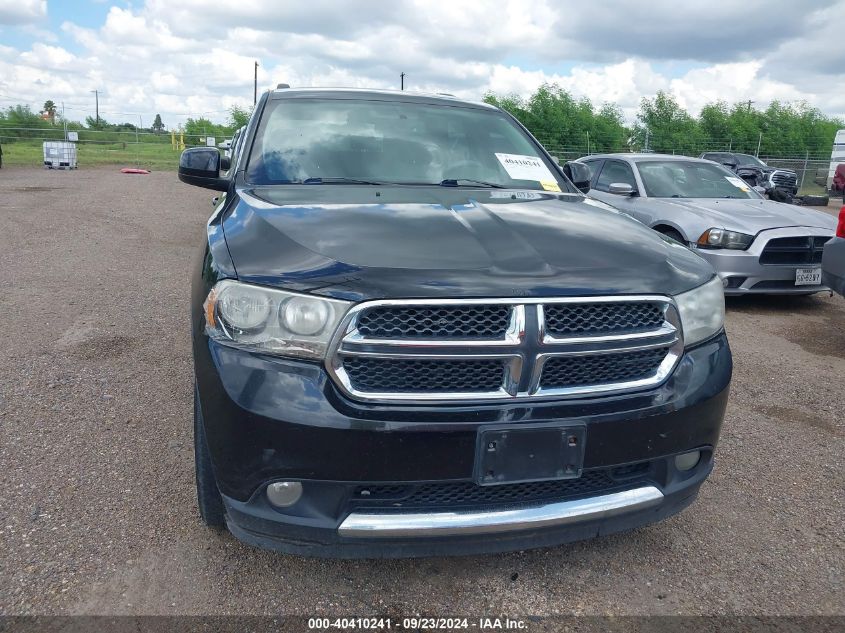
(722, 238)
(702, 311)
(272, 321)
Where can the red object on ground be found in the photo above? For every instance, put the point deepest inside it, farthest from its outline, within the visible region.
(839, 178)
(132, 170)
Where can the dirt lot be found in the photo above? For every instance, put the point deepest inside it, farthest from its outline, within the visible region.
(97, 509)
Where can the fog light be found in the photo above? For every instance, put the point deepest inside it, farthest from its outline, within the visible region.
(284, 493)
(687, 461)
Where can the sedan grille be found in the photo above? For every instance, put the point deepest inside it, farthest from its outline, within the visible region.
(794, 251)
(475, 350)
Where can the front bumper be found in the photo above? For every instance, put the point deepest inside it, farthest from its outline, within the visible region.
(746, 275)
(270, 419)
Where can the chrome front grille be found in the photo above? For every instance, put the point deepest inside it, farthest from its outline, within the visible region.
(492, 349)
(784, 179)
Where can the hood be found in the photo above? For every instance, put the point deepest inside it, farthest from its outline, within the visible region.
(745, 216)
(361, 243)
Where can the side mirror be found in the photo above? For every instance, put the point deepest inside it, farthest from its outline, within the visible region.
(200, 166)
(225, 163)
(730, 164)
(620, 188)
(580, 175)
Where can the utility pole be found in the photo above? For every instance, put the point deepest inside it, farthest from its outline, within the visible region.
(749, 102)
(255, 86)
(402, 81)
(97, 105)
(759, 140)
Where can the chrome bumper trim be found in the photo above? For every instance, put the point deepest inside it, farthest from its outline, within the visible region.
(461, 523)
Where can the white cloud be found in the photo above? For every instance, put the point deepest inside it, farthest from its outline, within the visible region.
(22, 11)
(197, 57)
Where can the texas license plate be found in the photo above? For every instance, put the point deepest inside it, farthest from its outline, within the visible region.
(808, 276)
(521, 453)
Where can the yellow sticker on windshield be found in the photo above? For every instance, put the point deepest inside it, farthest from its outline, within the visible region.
(549, 185)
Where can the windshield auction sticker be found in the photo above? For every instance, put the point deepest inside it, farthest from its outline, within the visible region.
(520, 167)
(739, 183)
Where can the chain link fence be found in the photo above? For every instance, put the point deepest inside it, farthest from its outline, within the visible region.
(142, 148)
(813, 170)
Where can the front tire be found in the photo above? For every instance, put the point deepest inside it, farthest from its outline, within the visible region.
(209, 500)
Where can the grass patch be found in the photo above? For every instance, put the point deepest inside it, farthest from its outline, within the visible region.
(154, 156)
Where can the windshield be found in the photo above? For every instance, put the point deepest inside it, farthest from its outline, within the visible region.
(683, 179)
(748, 159)
(357, 141)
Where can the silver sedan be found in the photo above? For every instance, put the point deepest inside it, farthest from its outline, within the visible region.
(755, 245)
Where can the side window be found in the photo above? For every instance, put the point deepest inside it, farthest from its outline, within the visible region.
(595, 167)
(615, 171)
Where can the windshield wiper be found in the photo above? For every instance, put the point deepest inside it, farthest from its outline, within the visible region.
(338, 181)
(455, 182)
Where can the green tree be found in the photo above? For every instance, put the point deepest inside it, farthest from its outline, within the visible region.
(92, 124)
(50, 110)
(664, 126)
(564, 124)
(158, 126)
(238, 117)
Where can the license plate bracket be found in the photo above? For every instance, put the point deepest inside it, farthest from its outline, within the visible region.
(539, 452)
(808, 276)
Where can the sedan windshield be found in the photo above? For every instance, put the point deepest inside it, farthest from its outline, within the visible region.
(690, 179)
(355, 142)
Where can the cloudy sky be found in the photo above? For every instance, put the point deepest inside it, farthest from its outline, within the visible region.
(195, 57)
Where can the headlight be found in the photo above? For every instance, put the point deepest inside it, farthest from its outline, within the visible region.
(722, 238)
(272, 321)
(702, 311)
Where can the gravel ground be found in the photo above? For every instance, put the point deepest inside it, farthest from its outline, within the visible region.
(97, 509)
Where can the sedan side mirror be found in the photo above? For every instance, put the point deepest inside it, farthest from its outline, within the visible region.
(730, 164)
(200, 166)
(620, 189)
(580, 175)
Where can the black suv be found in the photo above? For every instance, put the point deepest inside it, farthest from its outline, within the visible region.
(755, 172)
(413, 335)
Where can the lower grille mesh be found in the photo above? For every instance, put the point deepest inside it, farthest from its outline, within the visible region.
(424, 376)
(574, 371)
(447, 494)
